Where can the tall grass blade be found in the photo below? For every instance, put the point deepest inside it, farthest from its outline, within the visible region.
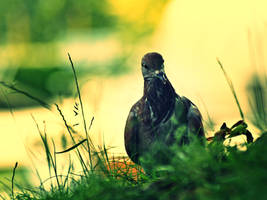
(85, 169)
(232, 89)
(91, 123)
(73, 147)
(7, 102)
(79, 93)
(106, 156)
(13, 177)
(68, 173)
(209, 122)
(40, 179)
(257, 97)
(45, 143)
(55, 165)
(83, 115)
(41, 102)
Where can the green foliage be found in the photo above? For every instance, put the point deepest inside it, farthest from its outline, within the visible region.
(257, 98)
(195, 171)
(47, 83)
(43, 21)
(199, 170)
(21, 178)
(32, 32)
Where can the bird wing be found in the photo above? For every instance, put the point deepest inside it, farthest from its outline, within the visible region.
(194, 118)
(131, 137)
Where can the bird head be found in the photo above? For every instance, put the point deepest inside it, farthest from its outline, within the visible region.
(153, 67)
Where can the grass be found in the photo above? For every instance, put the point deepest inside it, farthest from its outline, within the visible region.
(21, 174)
(211, 170)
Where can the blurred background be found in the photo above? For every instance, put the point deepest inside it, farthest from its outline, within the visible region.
(106, 40)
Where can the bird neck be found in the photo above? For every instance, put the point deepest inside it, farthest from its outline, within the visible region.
(152, 85)
(160, 96)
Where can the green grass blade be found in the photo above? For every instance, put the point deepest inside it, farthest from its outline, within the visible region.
(83, 115)
(41, 102)
(257, 97)
(7, 102)
(55, 165)
(45, 143)
(68, 173)
(13, 177)
(85, 169)
(73, 147)
(232, 89)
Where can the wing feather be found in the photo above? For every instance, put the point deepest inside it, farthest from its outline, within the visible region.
(131, 136)
(194, 118)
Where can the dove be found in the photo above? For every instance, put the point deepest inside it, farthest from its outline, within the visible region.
(161, 117)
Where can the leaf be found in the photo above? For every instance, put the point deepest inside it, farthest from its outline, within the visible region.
(238, 130)
(73, 147)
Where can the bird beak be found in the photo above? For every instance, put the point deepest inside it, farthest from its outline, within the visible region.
(161, 75)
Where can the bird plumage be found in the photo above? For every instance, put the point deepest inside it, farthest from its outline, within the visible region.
(160, 114)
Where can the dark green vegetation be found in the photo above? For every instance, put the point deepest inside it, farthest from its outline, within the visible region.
(30, 17)
(213, 171)
(52, 83)
(209, 170)
(36, 26)
(33, 31)
(39, 21)
(21, 178)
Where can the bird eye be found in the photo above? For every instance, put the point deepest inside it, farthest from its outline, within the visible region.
(144, 65)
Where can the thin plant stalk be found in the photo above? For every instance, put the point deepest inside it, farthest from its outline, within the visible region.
(41, 102)
(83, 115)
(12, 180)
(85, 169)
(232, 89)
(55, 165)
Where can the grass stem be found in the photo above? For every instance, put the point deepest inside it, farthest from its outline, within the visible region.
(89, 142)
(13, 177)
(232, 89)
